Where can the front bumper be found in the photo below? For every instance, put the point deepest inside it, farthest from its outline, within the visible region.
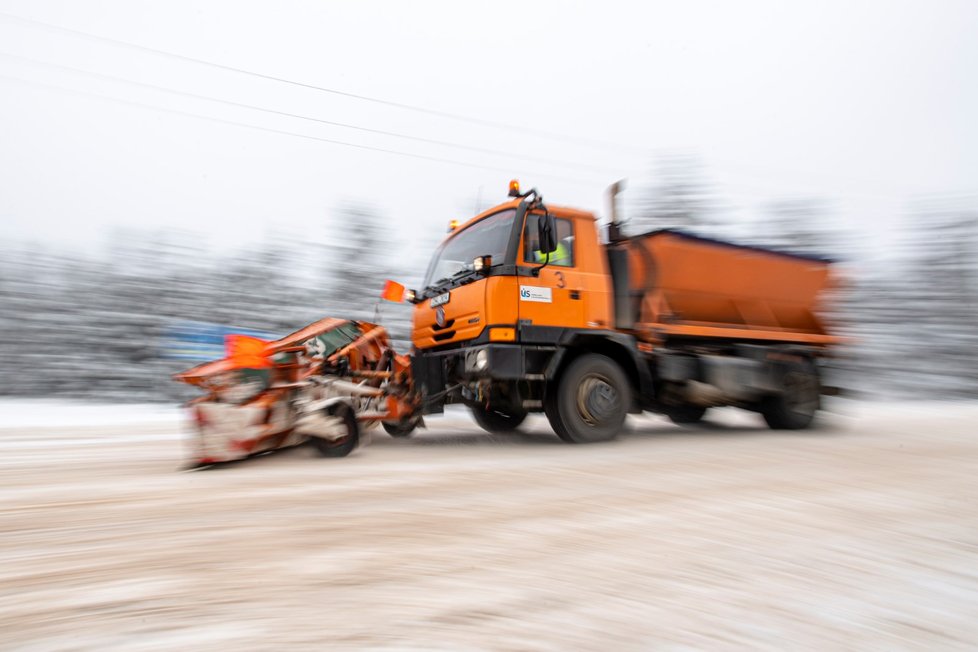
(436, 372)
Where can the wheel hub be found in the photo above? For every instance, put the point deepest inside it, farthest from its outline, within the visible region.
(597, 400)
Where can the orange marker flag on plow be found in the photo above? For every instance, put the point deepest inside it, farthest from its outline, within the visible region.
(247, 352)
(393, 291)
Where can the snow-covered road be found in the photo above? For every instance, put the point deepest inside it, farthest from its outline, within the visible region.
(862, 534)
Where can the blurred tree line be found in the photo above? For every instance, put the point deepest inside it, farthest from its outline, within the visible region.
(77, 326)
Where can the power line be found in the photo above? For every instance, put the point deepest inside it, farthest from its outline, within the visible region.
(344, 125)
(333, 91)
(752, 186)
(284, 132)
(366, 98)
(764, 186)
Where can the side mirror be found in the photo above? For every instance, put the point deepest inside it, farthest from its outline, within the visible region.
(547, 233)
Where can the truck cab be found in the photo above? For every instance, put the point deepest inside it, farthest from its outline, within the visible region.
(512, 286)
(504, 297)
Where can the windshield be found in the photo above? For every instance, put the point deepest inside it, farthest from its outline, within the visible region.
(487, 237)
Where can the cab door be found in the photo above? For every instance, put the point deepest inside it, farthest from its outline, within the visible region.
(556, 297)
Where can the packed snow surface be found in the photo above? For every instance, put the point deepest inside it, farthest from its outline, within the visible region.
(860, 534)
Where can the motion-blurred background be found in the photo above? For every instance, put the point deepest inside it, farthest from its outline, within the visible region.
(174, 171)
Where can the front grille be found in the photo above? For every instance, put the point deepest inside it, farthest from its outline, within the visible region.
(448, 324)
(441, 337)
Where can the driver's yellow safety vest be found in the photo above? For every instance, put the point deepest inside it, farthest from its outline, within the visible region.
(557, 256)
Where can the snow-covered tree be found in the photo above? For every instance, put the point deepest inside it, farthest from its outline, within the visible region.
(680, 197)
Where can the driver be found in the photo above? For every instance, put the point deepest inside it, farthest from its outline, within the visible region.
(559, 256)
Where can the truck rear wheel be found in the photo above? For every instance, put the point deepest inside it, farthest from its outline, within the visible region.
(795, 407)
(590, 401)
(497, 421)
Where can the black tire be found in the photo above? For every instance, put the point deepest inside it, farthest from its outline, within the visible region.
(404, 428)
(795, 407)
(590, 402)
(496, 421)
(685, 414)
(345, 445)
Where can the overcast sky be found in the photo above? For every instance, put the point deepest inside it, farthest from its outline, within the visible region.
(865, 104)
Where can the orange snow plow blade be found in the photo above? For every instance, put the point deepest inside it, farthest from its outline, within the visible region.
(325, 383)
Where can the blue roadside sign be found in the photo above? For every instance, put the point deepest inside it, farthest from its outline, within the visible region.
(198, 341)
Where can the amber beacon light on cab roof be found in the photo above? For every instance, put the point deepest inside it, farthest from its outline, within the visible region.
(526, 308)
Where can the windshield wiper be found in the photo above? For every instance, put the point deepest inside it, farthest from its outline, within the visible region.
(437, 285)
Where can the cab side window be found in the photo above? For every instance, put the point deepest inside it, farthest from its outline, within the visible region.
(562, 257)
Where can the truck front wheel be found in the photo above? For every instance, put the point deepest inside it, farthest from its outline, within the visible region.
(590, 402)
(496, 421)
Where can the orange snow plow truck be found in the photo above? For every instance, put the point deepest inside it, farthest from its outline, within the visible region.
(526, 308)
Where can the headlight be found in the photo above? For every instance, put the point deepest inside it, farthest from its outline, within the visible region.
(481, 359)
(482, 264)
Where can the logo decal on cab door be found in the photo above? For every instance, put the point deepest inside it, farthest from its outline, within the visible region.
(535, 293)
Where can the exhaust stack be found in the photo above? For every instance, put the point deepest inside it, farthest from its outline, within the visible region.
(614, 227)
